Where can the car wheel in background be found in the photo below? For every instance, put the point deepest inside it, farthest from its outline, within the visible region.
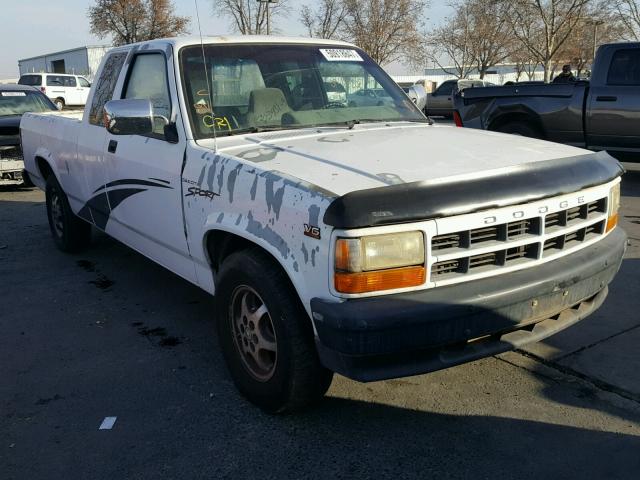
(520, 128)
(59, 103)
(266, 335)
(70, 232)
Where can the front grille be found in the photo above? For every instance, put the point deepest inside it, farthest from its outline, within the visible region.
(487, 248)
(559, 243)
(444, 242)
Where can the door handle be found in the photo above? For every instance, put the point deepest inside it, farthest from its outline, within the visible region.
(113, 146)
(605, 98)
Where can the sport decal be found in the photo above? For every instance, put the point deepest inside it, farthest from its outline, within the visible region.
(197, 191)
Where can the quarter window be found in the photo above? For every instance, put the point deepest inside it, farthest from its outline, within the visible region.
(148, 80)
(83, 82)
(31, 80)
(105, 86)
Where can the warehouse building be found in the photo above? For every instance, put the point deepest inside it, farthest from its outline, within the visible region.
(79, 61)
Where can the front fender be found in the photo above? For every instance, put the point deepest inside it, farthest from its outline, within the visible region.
(268, 209)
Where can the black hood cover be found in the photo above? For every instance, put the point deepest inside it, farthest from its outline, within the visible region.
(412, 202)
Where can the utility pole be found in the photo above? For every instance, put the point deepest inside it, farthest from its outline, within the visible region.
(268, 2)
(596, 24)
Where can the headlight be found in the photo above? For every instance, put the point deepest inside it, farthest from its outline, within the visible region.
(379, 262)
(614, 207)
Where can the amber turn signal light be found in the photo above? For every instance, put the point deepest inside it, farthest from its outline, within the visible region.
(391, 279)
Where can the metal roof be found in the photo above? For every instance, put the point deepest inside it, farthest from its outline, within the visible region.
(61, 52)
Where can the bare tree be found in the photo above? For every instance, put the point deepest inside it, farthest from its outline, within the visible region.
(490, 32)
(326, 20)
(387, 30)
(250, 17)
(451, 45)
(130, 21)
(543, 26)
(628, 12)
(522, 60)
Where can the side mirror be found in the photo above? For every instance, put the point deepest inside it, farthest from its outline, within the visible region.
(128, 117)
(418, 95)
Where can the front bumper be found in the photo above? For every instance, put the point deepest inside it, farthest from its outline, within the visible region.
(412, 333)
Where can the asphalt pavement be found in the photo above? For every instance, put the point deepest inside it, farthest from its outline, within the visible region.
(108, 333)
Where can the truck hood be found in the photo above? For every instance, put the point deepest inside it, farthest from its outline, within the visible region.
(376, 155)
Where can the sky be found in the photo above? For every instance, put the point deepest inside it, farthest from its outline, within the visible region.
(34, 27)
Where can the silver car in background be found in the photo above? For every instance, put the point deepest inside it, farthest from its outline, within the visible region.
(440, 102)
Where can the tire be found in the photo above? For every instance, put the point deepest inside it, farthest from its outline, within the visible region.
(520, 128)
(256, 305)
(70, 233)
(59, 103)
(26, 180)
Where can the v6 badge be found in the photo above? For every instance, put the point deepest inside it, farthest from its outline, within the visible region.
(311, 231)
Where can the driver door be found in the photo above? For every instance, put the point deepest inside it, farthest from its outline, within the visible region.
(145, 171)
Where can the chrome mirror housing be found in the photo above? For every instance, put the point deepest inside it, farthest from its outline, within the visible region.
(129, 117)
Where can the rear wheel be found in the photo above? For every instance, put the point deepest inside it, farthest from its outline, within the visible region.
(520, 128)
(70, 232)
(266, 335)
(59, 102)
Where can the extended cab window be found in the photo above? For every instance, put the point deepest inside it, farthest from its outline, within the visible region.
(625, 68)
(148, 80)
(105, 86)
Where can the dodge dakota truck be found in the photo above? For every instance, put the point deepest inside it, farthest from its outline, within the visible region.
(362, 240)
(602, 114)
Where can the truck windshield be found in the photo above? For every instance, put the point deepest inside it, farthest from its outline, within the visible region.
(19, 102)
(276, 87)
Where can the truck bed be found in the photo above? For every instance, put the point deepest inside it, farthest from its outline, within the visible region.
(51, 136)
(548, 90)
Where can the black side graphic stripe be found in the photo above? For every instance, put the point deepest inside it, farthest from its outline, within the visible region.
(160, 180)
(131, 181)
(98, 206)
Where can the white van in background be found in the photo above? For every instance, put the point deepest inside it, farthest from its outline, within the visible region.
(62, 89)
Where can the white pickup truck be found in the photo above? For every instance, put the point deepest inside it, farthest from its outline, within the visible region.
(363, 240)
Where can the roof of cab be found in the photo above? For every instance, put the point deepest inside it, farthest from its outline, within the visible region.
(179, 42)
(12, 87)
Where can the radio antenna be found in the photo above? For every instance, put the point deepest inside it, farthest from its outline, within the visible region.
(206, 75)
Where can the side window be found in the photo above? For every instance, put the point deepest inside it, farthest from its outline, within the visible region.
(69, 81)
(83, 82)
(625, 68)
(54, 81)
(148, 80)
(105, 85)
(445, 89)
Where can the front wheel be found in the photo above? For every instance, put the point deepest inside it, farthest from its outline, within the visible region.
(70, 232)
(266, 335)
